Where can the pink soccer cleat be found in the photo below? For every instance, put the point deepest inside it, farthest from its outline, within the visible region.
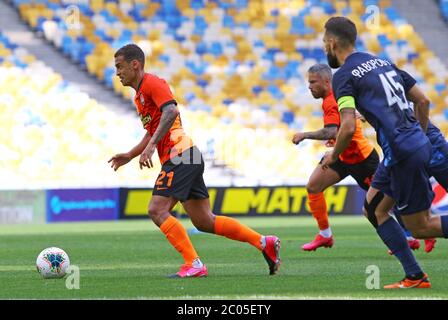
(429, 245)
(318, 242)
(271, 253)
(414, 244)
(187, 271)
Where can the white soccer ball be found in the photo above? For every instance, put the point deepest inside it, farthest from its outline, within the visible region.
(52, 263)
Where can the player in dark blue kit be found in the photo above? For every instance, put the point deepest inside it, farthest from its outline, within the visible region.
(438, 165)
(374, 87)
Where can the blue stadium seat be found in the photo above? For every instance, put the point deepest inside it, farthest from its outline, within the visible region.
(126, 35)
(216, 49)
(227, 101)
(86, 49)
(66, 44)
(440, 87)
(383, 40)
(371, 3)
(275, 91)
(328, 8)
(288, 117)
(292, 69)
(173, 21)
(197, 69)
(165, 58)
(298, 26)
(257, 89)
(189, 96)
(275, 12)
(228, 21)
(201, 48)
(197, 4)
(241, 4)
(109, 73)
(412, 56)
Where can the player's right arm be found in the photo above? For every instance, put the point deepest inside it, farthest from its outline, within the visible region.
(326, 133)
(121, 159)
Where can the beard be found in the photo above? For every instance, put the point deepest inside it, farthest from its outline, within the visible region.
(316, 95)
(332, 61)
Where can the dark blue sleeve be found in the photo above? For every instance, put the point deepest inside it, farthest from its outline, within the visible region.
(342, 85)
(408, 80)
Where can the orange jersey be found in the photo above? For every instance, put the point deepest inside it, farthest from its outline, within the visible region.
(152, 95)
(359, 148)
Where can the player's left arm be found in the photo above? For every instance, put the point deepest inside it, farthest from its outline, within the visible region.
(421, 105)
(169, 115)
(346, 130)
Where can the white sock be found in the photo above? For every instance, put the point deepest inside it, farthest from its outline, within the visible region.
(197, 263)
(326, 233)
(410, 238)
(263, 242)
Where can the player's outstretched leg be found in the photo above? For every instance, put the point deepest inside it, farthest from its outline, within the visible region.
(176, 234)
(429, 243)
(204, 220)
(425, 226)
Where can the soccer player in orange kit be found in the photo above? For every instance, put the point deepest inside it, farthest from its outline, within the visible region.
(181, 176)
(359, 160)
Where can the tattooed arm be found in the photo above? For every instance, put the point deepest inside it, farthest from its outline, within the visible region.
(169, 114)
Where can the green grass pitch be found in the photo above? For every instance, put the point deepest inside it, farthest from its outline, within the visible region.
(130, 260)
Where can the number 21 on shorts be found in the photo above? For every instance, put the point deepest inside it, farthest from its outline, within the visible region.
(163, 183)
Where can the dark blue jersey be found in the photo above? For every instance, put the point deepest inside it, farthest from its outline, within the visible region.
(433, 133)
(379, 96)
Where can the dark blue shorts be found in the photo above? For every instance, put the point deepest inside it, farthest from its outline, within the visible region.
(407, 182)
(438, 166)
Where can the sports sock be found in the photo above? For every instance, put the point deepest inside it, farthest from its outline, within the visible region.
(318, 207)
(233, 229)
(178, 237)
(444, 222)
(393, 236)
(326, 233)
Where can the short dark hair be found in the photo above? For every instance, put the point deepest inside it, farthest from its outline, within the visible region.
(131, 52)
(343, 29)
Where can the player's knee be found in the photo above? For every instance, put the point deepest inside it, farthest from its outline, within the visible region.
(370, 209)
(313, 188)
(154, 212)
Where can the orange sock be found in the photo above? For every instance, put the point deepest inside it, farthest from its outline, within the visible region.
(318, 207)
(178, 237)
(233, 229)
